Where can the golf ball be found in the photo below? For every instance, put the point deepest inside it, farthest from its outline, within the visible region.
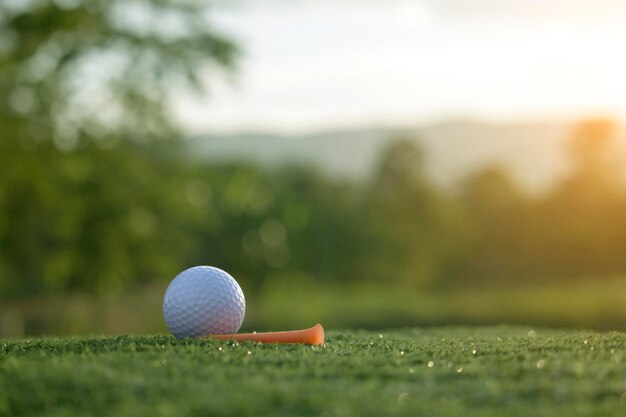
(203, 300)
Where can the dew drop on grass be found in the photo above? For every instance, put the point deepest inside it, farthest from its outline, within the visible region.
(541, 363)
(249, 353)
(474, 351)
(411, 370)
(458, 371)
(532, 333)
(431, 364)
(401, 353)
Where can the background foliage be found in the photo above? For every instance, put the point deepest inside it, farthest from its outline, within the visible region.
(99, 196)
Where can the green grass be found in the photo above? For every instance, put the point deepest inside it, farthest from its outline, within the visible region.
(460, 371)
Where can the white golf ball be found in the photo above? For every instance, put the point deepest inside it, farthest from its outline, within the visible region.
(203, 300)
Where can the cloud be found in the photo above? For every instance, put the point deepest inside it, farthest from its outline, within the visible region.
(584, 10)
(313, 63)
(565, 10)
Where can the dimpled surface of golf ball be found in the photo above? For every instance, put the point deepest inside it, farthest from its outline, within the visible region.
(203, 300)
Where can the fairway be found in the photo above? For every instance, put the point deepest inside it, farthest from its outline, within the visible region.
(501, 371)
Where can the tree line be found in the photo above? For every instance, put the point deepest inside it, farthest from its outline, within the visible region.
(113, 219)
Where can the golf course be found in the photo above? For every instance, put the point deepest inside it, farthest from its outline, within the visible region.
(443, 371)
(312, 208)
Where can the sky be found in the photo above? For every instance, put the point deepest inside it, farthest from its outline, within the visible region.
(311, 65)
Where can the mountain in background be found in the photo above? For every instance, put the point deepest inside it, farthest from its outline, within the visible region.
(533, 153)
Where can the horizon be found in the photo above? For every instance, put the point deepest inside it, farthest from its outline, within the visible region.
(289, 132)
(534, 154)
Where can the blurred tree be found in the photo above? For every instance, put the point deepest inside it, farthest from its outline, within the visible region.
(415, 225)
(100, 69)
(90, 187)
(596, 162)
(329, 235)
(581, 228)
(265, 226)
(497, 213)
